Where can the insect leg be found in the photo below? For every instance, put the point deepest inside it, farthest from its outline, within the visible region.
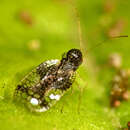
(72, 90)
(79, 97)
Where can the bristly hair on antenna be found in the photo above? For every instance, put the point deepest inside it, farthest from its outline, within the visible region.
(119, 36)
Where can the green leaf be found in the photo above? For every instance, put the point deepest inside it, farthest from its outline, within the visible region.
(54, 30)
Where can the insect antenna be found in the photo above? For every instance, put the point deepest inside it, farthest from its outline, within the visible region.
(82, 46)
(104, 42)
(85, 51)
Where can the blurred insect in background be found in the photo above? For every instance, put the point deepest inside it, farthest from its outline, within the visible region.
(26, 17)
(48, 82)
(120, 83)
(115, 61)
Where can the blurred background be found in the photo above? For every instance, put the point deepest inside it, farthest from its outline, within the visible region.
(34, 31)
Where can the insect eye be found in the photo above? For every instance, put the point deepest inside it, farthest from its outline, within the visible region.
(75, 56)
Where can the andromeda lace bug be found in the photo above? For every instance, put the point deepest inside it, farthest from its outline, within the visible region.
(46, 84)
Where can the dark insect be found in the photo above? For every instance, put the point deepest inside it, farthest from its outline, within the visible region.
(26, 17)
(44, 86)
(120, 85)
(128, 126)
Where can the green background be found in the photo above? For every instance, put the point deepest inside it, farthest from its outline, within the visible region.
(55, 27)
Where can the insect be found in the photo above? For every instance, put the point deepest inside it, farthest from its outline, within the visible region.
(47, 83)
(120, 85)
(120, 82)
(128, 126)
(26, 17)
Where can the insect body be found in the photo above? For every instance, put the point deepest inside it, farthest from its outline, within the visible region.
(44, 86)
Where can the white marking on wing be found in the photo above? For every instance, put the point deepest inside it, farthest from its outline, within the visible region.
(34, 101)
(55, 97)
